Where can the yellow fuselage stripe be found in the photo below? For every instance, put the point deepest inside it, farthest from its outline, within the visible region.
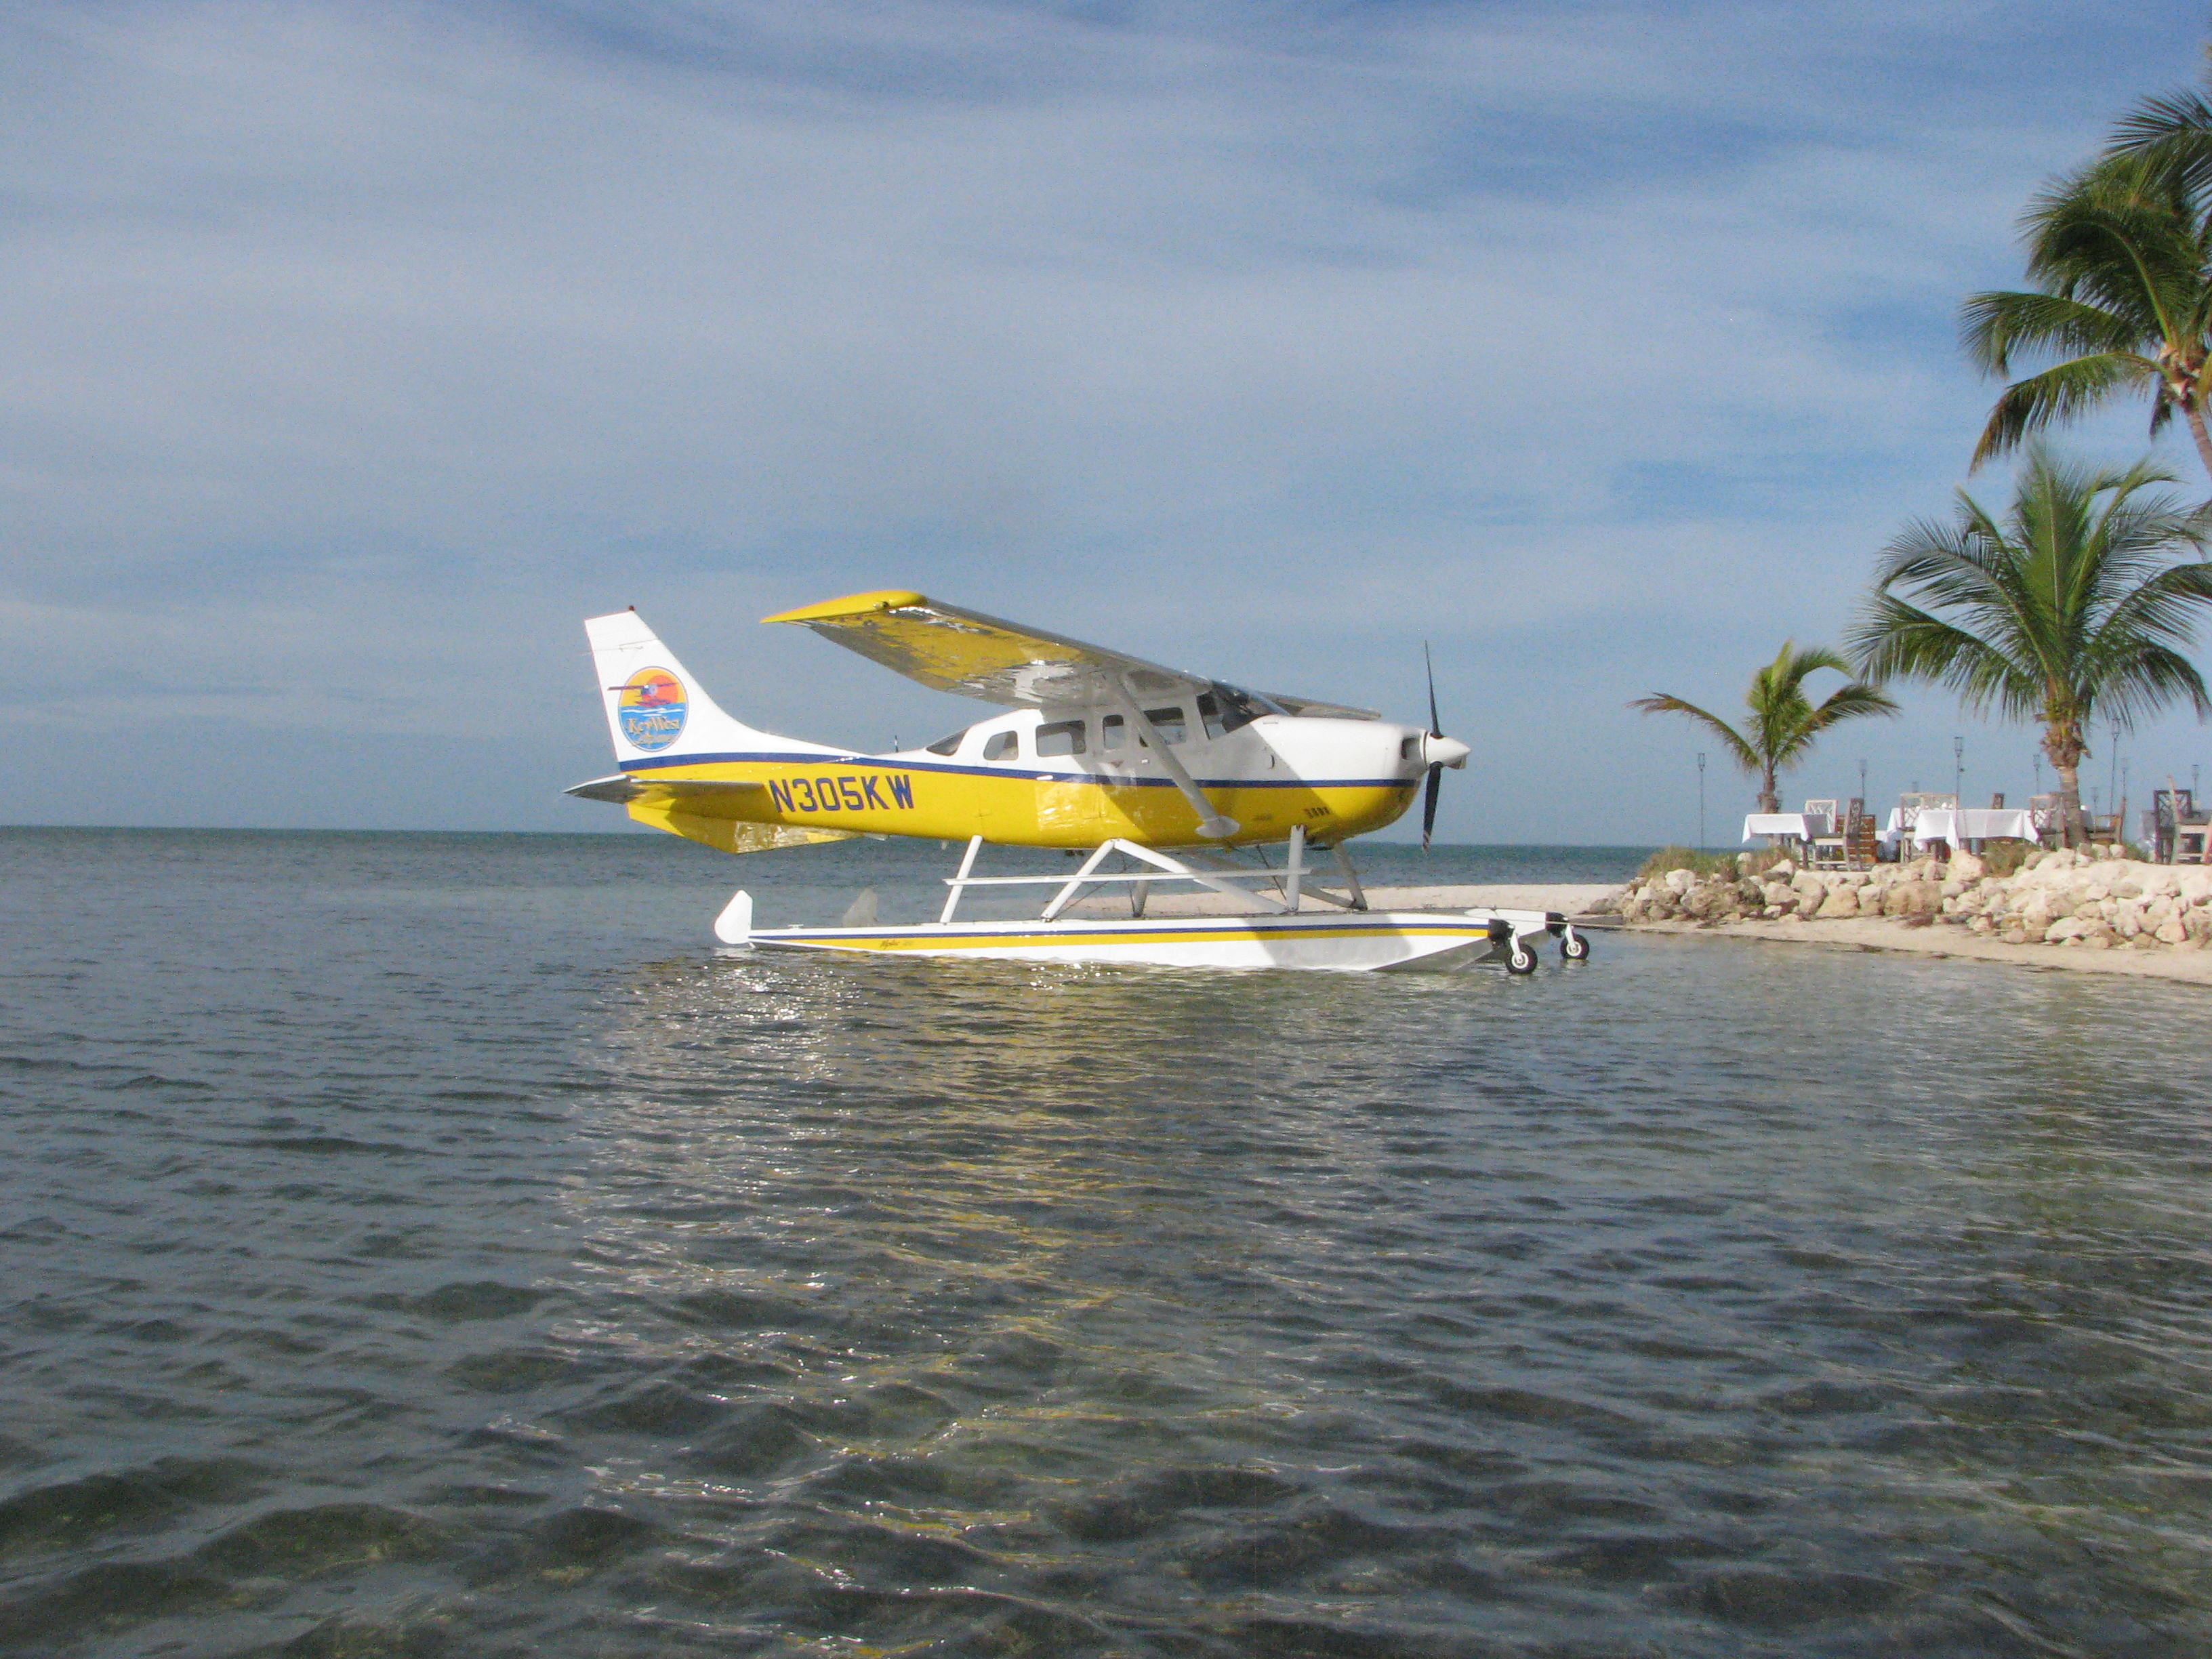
(883, 798)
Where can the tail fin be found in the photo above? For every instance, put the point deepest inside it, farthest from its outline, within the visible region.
(654, 709)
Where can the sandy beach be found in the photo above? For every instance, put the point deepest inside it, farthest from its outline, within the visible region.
(2193, 966)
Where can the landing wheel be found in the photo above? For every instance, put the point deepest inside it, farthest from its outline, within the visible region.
(1519, 959)
(1573, 946)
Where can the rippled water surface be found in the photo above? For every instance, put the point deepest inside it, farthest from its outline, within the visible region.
(427, 1245)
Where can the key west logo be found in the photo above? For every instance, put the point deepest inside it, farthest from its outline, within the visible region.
(651, 710)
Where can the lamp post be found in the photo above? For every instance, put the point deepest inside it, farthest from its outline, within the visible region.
(1701, 800)
(2115, 729)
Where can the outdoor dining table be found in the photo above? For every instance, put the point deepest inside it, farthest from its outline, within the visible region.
(1798, 826)
(1959, 825)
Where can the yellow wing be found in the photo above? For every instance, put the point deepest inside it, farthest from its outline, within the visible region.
(947, 648)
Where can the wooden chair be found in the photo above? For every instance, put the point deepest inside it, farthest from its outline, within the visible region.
(1862, 835)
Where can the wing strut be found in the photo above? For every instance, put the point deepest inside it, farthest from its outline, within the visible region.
(1211, 824)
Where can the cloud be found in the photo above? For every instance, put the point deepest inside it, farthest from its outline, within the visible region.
(360, 350)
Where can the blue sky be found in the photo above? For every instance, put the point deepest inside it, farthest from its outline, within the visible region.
(358, 351)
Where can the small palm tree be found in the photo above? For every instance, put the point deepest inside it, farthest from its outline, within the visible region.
(2121, 252)
(1784, 719)
(2068, 610)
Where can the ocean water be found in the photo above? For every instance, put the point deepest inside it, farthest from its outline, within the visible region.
(431, 1246)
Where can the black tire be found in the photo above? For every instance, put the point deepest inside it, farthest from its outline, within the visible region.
(1574, 946)
(1519, 959)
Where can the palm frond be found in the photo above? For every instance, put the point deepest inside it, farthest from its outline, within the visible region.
(1898, 641)
(1995, 326)
(1741, 752)
(2151, 679)
(1853, 701)
(2172, 134)
(2070, 388)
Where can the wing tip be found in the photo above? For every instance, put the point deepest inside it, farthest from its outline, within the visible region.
(852, 604)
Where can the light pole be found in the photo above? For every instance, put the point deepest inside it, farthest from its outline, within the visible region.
(2115, 729)
(1701, 800)
(1959, 768)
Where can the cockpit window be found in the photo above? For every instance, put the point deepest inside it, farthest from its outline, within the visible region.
(1224, 708)
(1001, 746)
(947, 746)
(1169, 723)
(1060, 738)
(1112, 733)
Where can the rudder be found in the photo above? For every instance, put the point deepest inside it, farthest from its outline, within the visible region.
(655, 710)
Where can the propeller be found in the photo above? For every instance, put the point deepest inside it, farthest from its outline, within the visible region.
(1440, 750)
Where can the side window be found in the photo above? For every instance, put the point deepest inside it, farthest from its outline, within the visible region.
(1001, 746)
(1112, 733)
(1169, 723)
(1060, 738)
(947, 746)
(1209, 714)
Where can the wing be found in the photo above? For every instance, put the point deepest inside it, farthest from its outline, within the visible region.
(965, 652)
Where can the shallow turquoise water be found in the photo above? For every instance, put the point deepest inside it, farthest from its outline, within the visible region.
(429, 1245)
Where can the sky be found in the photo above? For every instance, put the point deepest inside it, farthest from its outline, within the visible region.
(357, 352)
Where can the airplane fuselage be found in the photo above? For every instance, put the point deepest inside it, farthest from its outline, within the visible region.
(1056, 779)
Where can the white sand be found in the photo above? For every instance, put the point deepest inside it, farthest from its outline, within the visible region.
(1941, 940)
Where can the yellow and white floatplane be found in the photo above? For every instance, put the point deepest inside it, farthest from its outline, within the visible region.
(1154, 776)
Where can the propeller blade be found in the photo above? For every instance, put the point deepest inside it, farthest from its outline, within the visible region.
(1429, 804)
(1436, 726)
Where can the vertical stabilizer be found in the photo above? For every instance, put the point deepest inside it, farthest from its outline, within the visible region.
(656, 711)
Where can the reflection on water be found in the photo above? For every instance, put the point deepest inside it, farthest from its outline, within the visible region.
(495, 1269)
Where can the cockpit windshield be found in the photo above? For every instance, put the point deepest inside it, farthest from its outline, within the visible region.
(947, 746)
(1224, 708)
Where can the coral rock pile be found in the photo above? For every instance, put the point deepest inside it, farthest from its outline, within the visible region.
(2095, 899)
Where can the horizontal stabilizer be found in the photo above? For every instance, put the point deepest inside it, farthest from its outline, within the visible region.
(624, 787)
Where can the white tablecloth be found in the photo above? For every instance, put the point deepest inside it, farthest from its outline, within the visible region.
(1801, 826)
(1957, 824)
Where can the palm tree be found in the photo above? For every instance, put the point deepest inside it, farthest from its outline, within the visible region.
(2121, 253)
(1784, 719)
(2068, 611)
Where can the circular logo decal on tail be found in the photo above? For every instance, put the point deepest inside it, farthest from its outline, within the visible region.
(651, 710)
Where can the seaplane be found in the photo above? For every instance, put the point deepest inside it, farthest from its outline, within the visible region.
(1151, 775)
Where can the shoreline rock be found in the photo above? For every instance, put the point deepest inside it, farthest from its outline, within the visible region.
(2093, 900)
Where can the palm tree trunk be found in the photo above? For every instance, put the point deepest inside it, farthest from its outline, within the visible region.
(2076, 830)
(2196, 419)
(1769, 799)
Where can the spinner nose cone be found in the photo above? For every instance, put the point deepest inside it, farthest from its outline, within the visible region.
(1437, 750)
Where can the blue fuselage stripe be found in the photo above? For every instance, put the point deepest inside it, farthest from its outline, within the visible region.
(901, 765)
